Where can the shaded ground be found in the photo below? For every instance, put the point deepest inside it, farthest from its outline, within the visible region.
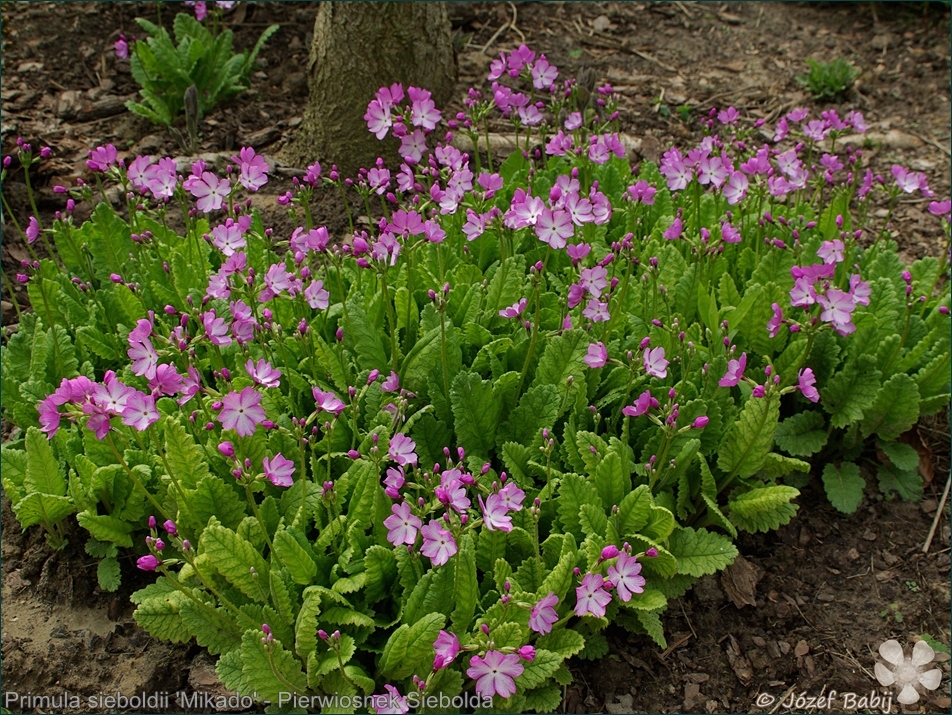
(829, 589)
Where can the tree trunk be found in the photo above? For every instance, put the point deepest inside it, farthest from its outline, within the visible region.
(359, 47)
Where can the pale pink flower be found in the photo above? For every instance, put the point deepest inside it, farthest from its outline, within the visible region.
(806, 381)
(402, 450)
(242, 411)
(597, 355)
(263, 373)
(625, 574)
(544, 615)
(735, 371)
(591, 597)
(402, 525)
(279, 470)
(655, 364)
(438, 543)
(140, 411)
(495, 674)
(210, 191)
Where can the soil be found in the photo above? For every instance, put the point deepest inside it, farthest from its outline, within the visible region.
(821, 594)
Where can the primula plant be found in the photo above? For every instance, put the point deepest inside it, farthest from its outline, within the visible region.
(439, 456)
(203, 59)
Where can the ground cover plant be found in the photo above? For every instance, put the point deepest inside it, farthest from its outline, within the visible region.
(536, 394)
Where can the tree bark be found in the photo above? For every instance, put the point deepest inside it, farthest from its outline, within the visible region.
(359, 47)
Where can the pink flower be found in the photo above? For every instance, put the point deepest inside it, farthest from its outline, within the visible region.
(802, 295)
(140, 411)
(735, 371)
(941, 208)
(413, 147)
(253, 169)
(543, 74)
(554, 228)
(512, 496)
(148, 562)
(279, 470)
(494, 674)
(594, 280)
(317, 297)
(597, 355)
(393, 703)
(102, 158)
(98, 422)
(32, 230)
(438, 543)
(495, 513)
(596, 311)
(591, 598)
(452, 491)
(514, 310)
(262, 373)
(773, 325)
(642, 192)
(673, 232)
(328, 401)
(837, 309)
(655, 364)
(736, 188)
(210, 192)
(122, 48)
(166, 381)
(725, 116)
(394, 481)
(544, 615)
(242, 412)
(49, 416)
(701, 422)
(625, 575)
(228, 238)
(423, 111)
(392, 383)
(402, 525)
(378, 119)
(758, 392)
(642, 404)
(402, 450)
(446, 647)
(859, 290)
(144, 357)
(216, 329)
(729, 233)
(806, 381)
(831, 251)
(112, 395)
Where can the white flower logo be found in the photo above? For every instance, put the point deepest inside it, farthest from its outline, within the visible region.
(906, 673)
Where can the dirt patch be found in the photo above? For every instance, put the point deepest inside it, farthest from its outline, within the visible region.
(821, 593)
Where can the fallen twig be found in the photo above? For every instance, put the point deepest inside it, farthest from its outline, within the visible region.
(938, 515)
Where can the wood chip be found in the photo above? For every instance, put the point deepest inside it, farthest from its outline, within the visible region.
(740, 580)
(739, 662)
(801, 649)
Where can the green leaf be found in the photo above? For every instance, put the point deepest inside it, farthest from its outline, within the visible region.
(542, 667)
(476, 413)
(906, 483)
(802, 434)
(410, 648)
(183, 455)
(563, 358)
(611, 483)
(542, 700)
(362, 337)
(106, 528)
(596, 646)
(466, 585)
(895, 409)
(573, 492)
(433, 594)
(751, 438)
(43, 473)
(560, 578)
(261, 676)
(295, 559)
(160, 616)
(234, 558)
(651, 623)
(593, 520)
(217, 634)
(660, 524)
(903, 456)
(634, 510)
(764, 508)
(700, 552)
(108, 574)
(851, 391)
(538, 408)
(39, 508)
(844, 486)
(213, 497)
(563, 642)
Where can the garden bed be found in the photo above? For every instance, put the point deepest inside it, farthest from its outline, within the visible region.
(828, 588)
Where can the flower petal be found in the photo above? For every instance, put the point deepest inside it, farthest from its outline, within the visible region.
(922, 654)
(892, 652)
(884, 675)
(908, 695)
(930, 680)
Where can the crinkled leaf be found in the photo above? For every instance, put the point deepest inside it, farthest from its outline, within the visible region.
(844, 486)
(700, 552)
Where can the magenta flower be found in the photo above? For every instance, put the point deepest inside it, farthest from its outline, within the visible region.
(554, 228)
(831, 251)
(591, 597)
(514, 310)
(859, 290)
(494, 674)
(642, 404)
(98, 422)
(262, 373)
(242, 411)
(228, 238)
(166, 381)
(773, 325)
(328, 401)
(625, 575)
(726, 116)
(673, 232)
(253, 169)
(594, 280)
(512, 496)
(378, 118)
(413, 147)
(102, 158)
(544, 615)
(446, 648)
(394, 481)
(216, 329)
(148, 562)
(438, 543)
(122, 48)
(837, 309)
(423, 111)
(402, 450)
(32, 230)
(49, 416)
(317, 297)
(210, 192)
(597, 355)
(806, 381)
(655, 364)
(140, 411)
(402, 525)
(735, 371)
(578, 251)
(279, 470)
(392, 383)
(596, 311)
(393, 703)
(729, 233)
(495, 513)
